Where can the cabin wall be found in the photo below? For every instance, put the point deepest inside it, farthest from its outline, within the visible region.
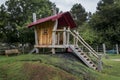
(44, 33)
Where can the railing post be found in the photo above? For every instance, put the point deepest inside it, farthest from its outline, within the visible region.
(64, 36)
(74, 39)
(100, 62)
(77, 38)
(68, 36)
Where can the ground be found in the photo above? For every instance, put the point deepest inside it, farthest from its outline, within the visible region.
(55, 67)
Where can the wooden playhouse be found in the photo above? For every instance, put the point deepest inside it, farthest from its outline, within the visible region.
(55, 32)
(51, 32)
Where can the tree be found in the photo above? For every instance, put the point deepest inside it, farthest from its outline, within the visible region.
(18, 13)
(88, 33)
(106, 21)
(79, 14)
(103, 3)
(6, 28)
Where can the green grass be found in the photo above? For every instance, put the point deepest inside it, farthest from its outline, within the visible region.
(111, 67)
(55, 67)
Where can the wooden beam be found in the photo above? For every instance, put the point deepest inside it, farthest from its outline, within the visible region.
(77, 39)
(54, 36)
(74, 39)
(58, 40)
(100, 62)
(64, 36)
(34, 17)
(59, 30)
(50, 46)
(68, 36)
(54, 9)
(36, 38)
(35, 31)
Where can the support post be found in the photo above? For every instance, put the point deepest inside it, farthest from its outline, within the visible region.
(35, 31)
(64, 36)
(54, 32)
(58, 42)
(68, 36)
(117, 50)
(100, 62)
(54, 36)
(53, 42)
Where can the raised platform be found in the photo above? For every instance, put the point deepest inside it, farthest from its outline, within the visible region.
(51, 46)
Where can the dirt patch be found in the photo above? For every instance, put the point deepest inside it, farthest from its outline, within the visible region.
(44, 72)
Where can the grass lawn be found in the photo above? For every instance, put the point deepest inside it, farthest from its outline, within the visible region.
(55, 67)
(112, 67)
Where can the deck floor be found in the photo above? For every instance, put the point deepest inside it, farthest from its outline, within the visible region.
(51, 46)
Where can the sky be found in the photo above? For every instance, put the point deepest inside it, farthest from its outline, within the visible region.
(66, 5)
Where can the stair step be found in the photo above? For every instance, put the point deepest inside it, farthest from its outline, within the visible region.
(94, 65)
(79, 50)
(91, 62)
(76, 48)
(82, 53)
(88, 59)
(96, 68)
(85, 56)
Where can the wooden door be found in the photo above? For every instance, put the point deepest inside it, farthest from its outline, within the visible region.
(45, 33)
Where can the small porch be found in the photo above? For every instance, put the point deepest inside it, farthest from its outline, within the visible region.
(61, 38)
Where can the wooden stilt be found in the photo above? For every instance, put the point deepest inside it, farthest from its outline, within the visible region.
(54, 36)
(53, 42)
(35, 31)
(58, 39)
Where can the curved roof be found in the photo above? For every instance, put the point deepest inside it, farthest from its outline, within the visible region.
(64, 19)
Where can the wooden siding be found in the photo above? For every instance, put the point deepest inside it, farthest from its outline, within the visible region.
(44, 33)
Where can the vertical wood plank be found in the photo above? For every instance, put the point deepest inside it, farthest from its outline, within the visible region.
(68, 36)
(58, 42)
(64, 36)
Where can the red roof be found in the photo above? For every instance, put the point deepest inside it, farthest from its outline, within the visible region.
(64, 19)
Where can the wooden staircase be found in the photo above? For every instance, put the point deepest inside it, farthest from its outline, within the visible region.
(81, 55)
